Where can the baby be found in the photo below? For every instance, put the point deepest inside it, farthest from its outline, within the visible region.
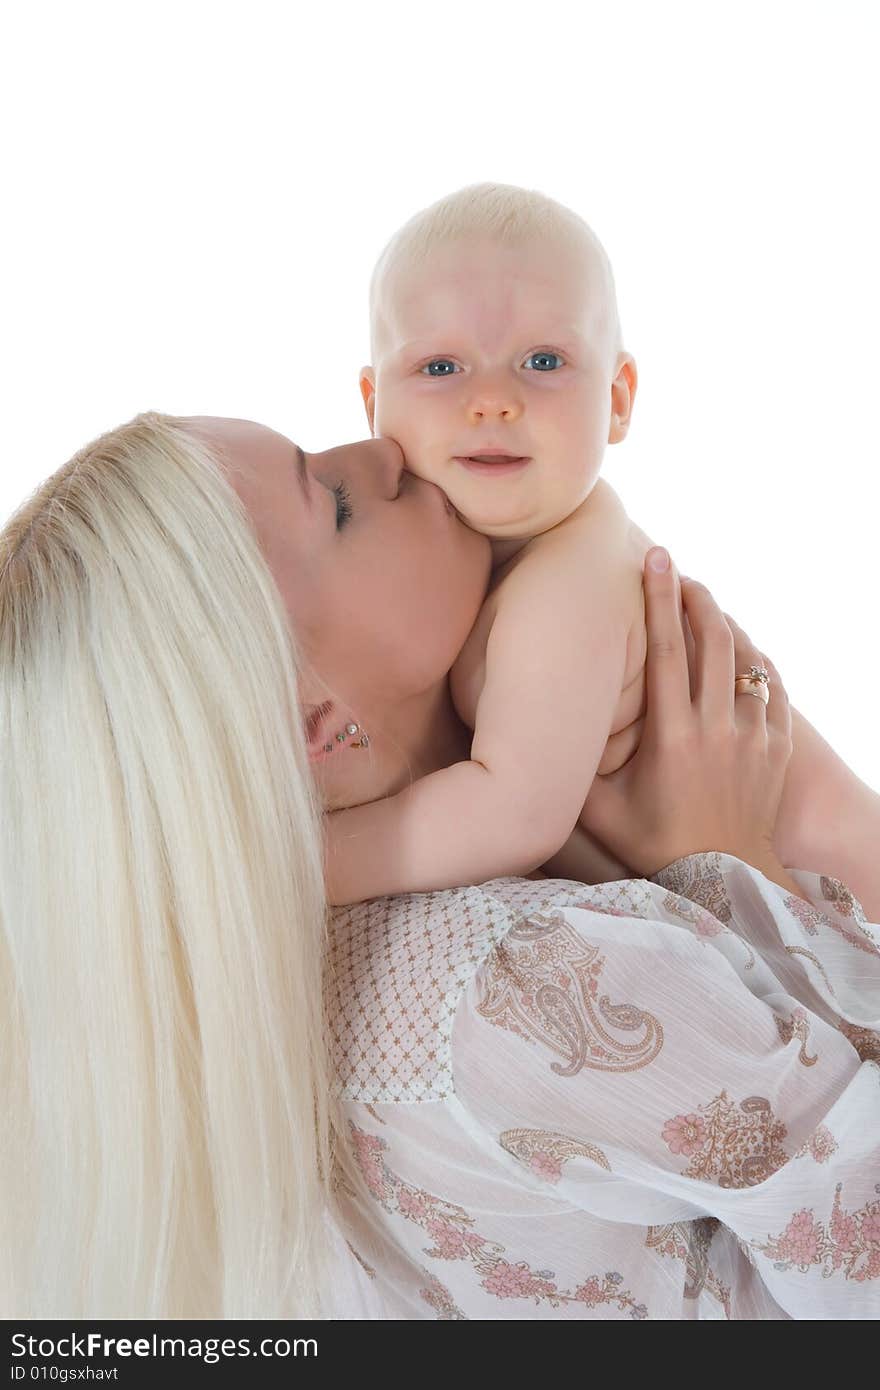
(498, 367)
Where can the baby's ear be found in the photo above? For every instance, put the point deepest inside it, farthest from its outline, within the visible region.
(623, 395)
(367, 383)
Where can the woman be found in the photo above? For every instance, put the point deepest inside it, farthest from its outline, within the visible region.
(175, 604)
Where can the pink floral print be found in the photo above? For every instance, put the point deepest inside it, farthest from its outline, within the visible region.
(519, 1184)
(735, 1145)
(820, 1146)
(684, 1134)
(452, 1237)
(849, 1242)
(811, 919)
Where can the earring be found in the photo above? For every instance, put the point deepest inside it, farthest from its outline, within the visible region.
(362, 742)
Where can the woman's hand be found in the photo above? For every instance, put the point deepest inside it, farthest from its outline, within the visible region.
(710, 765)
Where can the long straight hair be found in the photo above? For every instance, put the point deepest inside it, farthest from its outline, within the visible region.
(170, 1134)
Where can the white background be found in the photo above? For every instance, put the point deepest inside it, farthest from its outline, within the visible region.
(195, 194)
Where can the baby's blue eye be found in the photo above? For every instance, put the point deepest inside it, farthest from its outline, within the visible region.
(343, 505)
(443, 362)
(543, 361)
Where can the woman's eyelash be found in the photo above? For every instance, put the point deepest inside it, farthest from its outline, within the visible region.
(343, 505)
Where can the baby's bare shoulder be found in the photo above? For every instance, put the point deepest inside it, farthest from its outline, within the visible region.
(596, 539)
(599, 526)
(593, 558)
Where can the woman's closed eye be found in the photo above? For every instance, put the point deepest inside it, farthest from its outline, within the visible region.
(343, 505)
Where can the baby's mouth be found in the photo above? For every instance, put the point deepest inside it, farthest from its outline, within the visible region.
(495, 458)
(489, 463)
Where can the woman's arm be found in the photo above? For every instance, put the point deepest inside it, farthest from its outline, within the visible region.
(829, 819)
(827, 822)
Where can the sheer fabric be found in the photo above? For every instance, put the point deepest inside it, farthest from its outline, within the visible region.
(642, 1099)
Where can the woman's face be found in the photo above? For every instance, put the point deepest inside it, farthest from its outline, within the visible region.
(381, 580)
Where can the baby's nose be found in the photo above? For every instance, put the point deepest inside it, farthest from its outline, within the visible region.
(493, 406)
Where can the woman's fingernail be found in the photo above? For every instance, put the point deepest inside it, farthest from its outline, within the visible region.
(658, 558)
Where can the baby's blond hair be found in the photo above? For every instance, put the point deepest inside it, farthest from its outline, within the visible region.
(499, 212)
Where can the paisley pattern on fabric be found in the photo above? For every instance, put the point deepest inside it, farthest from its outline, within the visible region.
(523, 1174)
(705, 924)
(546, 1152)
(542, 983)
(814, 961)
(699, 878)
(865, 1040)
(843, 901)
(797, 1026)
(735, 1145)
(691, 1241)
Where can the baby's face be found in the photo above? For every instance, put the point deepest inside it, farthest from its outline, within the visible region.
(492, 347)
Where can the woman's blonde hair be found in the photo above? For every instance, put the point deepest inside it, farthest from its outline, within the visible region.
(170, 1131)
(502, 213)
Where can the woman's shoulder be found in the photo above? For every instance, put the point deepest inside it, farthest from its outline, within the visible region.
(397, 968)
(458, 925)
(404, 971)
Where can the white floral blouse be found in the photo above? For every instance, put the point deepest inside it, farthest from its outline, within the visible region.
(642, 1099)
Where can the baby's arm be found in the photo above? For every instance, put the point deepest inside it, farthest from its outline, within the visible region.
(585, 859)
(554, 670)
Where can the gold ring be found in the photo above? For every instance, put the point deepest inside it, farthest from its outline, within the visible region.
(752, 685)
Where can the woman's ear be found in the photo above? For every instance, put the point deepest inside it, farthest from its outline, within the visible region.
(315, 724)
(367, 383)
(623, 394)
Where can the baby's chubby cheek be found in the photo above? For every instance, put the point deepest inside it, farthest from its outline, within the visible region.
(417, 439)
